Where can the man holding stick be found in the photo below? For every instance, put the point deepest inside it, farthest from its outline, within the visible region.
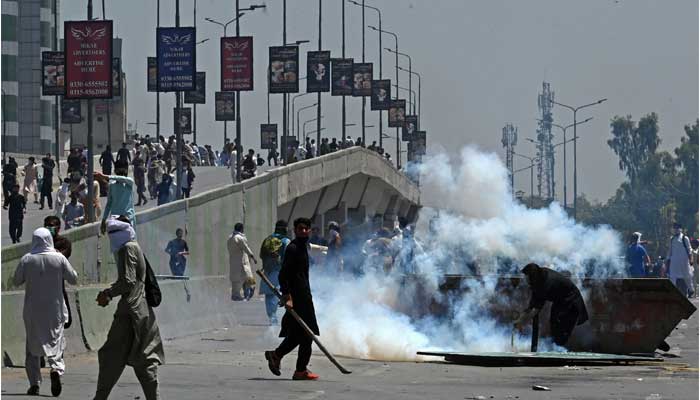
(296, 295)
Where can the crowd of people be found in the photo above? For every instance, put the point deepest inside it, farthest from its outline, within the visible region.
(309, 149)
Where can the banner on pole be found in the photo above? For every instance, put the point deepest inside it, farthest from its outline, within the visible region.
(176, 53)
(152, 74)
(224, 104)
(419, 143)
(397, 113)
(362, 79)
(318, 68)
(116, 77)
(381, 94)
(341, 76)
(284, 69)
(183, 120)
(70, 111)
(53, 64)
(268, 136)
(88, 55)
(237, 63)
(198, 96)
(410, 126)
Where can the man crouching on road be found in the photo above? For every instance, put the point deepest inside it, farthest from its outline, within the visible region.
(296, 292)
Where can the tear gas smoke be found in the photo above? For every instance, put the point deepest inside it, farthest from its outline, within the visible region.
(478, 228)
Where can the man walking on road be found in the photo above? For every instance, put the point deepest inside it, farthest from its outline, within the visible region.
(678, 260)
(17, 208)
(240, 273)
(43, 271)
(296, 292)
(134, 337)
(47, 165)
(271, 256)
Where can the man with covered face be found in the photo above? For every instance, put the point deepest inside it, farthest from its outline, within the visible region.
(568, 308)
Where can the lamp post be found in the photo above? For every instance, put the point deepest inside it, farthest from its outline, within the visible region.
(379, 13)
(194, 106)
(410, 70)
(533, 160)
(575, 110)
(304, 127)
(396, 51)
(299, 112)
(419, 98)
(295, 132)
(410, 93)
(224, 26)
(563, 129)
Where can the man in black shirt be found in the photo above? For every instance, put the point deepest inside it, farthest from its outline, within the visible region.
(17, 207)
(296, 292)
(107, 160)
(73, 161)
(9, 176)
(568, 308)
(123, 155)
(47, 164)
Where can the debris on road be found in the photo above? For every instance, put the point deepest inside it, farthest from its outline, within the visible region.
(541, 388)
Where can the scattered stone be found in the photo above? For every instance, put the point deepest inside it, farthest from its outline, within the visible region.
(640, 379)
(476, 398)
(541, 388)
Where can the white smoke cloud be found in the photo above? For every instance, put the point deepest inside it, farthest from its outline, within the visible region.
(479, 226)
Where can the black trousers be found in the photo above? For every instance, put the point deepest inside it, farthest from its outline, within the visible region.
(291, 342)
(15, 230)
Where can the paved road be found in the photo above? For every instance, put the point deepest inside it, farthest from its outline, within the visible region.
(227, 363)
(206, 178)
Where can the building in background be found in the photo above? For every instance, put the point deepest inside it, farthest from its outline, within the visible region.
(27, 30)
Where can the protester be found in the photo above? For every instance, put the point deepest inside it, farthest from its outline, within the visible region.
(156, 169)
(119, 197)
(30, 172)
(187, 180)
(17, 208)
(73, 213)
(272, 156)
(324, 148)
(637, 257)
(296, 292)
(379, 252)
(123, 155)
(134, 337)
(47, 165)
(62, 197)
(178, 249)
(43, 271)
(61, 243)
(333, 147)
(372, 146)
(334, 261)
(163, 189)
(259, 160)
(107, 160)
(271, 256)
(74, 164)
(9, 177)
(140, 178)
(695, 252)
(240, 273)
(568, 308)
(249, 165)
(679, 260)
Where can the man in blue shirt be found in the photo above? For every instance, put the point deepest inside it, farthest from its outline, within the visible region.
(271, 255)
(178, 249)
(637, 257)
(119, 196)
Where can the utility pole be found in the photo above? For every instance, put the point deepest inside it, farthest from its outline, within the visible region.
(342, 129)
(194, 106)
(364, 101)
(109, 101)
(283, 151)
(238, 110)
(157, 91)
(56, 120)
(509, 140)
(178, 131)
(90, 159)
(318, 101)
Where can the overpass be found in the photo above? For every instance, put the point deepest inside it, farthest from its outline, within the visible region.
(355, 187)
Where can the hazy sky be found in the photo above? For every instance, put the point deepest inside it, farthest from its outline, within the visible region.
(482, 62)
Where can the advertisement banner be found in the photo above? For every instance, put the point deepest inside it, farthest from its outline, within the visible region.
(116, 77)
(362, 79)
(341, 76)
(70, 111)
(152, 74)
(182, 120)
(237, 63)
(198, 96)
(224, 104)
(284, 69)
(318, 69)
(381, 94)
(176, 59)
(53, 64)
(419, 143)
(88, 55)
(268, 136)
(397, 113)
(410, 126)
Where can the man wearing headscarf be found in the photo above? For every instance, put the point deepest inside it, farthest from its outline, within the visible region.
(134, 337)
(43, 271)
(240, 273)
(271, 256)
(119, 195)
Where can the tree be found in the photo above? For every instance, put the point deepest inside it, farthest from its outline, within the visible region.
(634, 143)
(685, 186)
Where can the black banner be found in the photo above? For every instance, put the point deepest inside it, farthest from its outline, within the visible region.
(284, 69)
(419, 143)
(53, 64)
(362, 79)
(224, 104)
(268, 136)
(70, 111)
(318, 71)
(397, 113)
(197, 96)
(152, 74)
(410, 126)
(381, 94)
(341, 76)
(116, 77)
(183, 120)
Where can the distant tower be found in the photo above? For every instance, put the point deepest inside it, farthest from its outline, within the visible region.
(509, 140)
(545, 148)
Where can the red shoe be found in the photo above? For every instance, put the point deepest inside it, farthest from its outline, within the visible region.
(304, 376)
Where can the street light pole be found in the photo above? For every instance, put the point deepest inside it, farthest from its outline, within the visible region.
(533, 160)
(157, 92)
(284, 95)
(563, 129)
(299, 112)
(56, 98)
(178, 131)
(364, 101)
(410, 71)
(296, 132)
(342, 129)
(318, 101)
(575, 110)
(90, 159)
(410, 93)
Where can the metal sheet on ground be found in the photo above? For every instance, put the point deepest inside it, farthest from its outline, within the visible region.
(506, 359)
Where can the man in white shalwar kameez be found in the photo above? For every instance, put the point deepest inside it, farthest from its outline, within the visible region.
(43, 271)
(239, 264)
